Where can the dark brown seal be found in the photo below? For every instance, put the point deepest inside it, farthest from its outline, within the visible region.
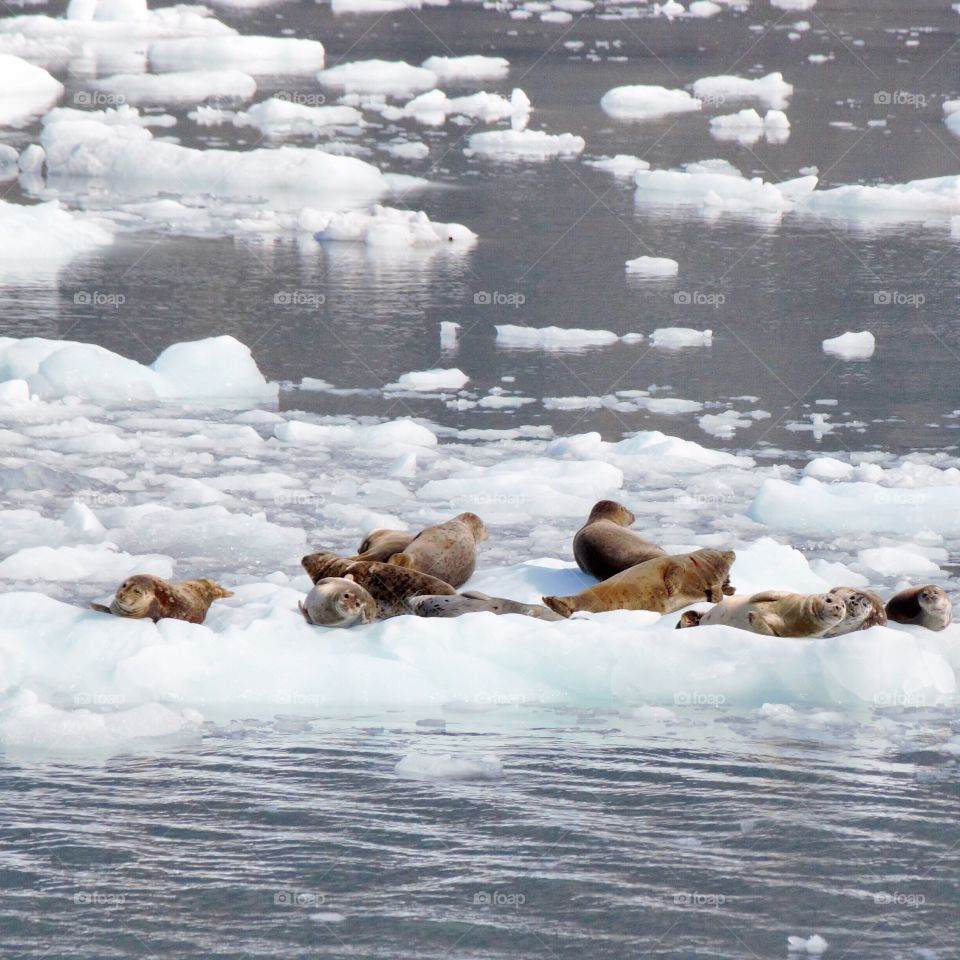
(389, 585)
(145, 596)
(927, 606)
(447, 551)
(604, 546)
(663, 584)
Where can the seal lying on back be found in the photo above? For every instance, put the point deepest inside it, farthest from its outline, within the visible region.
(663, 585)
(605, 546)
(447, 551)
(864, 610)
(389, 585)
(143, 596)
(381, 545)
(776, 613)
(927, 606)
(338, 602)
(475, 602)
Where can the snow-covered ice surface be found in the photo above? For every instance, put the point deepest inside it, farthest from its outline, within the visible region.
(242, 320)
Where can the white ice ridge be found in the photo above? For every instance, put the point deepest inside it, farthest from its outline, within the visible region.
(647, 102)
(26, 90)
(513, 336)
(433, 108)
(192, 86)
(748, 126)
(851, 346)
(524, 144)
(281, 118)
(215, 368)
(128, 157)
(473, 67)
(676, 338)
(772, 90)
(44, 236)
(392, 78)
(653, 267)
(437, 379)
(257, 55)
(386, 227)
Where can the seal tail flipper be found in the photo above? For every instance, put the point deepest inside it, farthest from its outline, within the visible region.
(99, 607)
(691, 618)
(673, 579)
(760, 624)
(561, 605)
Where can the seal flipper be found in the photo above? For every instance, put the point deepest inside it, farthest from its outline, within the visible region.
(691, 618)
(765, 625)
(100, 608)
(673, 579)
(561, 605)
(403, 560)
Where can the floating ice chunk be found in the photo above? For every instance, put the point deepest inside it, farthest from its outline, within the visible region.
(653, 714)
(864, 507)
(851, 346)
(552, 338)
(474, 67)
(828, 468)
(671, 406)
(772, 90)
(282, 118)
(388, 227)
(894, 202)
(100, 563)
(556, 16)
(815, 944)
(218, 367)
(716, 184)
(192, 86)
(674, 338)
(392, 78)
(622, 165)
(374, 6)
(80, 518)
(42, 237)
(653, 267)
(793, 4)
(449, 332)
(704, 8)
(951, 116)
(573, 6)
(723, 425)
(408, 150)
(129, 159)
(257, 55)
(524, 144)
(433, 108)
(437, 379)
(898, 562)
(670, 9)
(641, 102)
(25, 90)
(748, 126)
(445, 766)
(390, 439)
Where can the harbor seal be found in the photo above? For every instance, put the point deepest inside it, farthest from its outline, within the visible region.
(145, 596)
(338, 602)
(926, 606)
(389, 585)
(864, 610)
(381, 545)
(605, 546)
(447, 550)
(475, 602)
(777, 613)
(664, 584)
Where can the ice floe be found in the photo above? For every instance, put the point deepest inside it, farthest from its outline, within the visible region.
(647, 102)
(851, 346)
(653, 267)
(473, 67)
(772, 90)
(386, 227)
(524, 144)
(390, 77)
(748, 126)
(256, 55)
(189, 87)
(26, 90)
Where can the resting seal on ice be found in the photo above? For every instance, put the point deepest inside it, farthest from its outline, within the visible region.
(927, 606)
(864, 610)
(776, 613)
(143, 596)
(663, 585)
(447, 550)
(381, 545)
(475, 602)
(605, 546)
(338, 602)
(389, 585)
